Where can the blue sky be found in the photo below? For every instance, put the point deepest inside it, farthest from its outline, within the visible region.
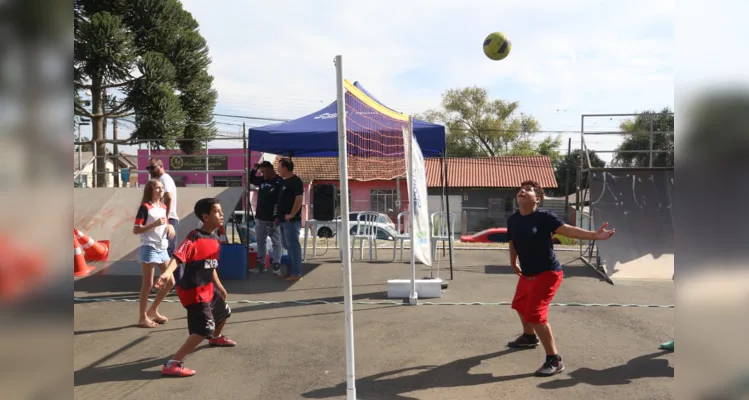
(275, 59)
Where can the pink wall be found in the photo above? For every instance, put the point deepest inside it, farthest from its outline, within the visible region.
(234, 158)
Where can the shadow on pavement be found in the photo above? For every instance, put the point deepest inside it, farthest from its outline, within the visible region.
(130, 284)
(132, 371)
(570, 271)
(302, 303)
(453, 374)
(262, 307)
(646, 366)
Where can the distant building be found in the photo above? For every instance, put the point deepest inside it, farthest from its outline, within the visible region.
(224, 168)
(86, 167)
(482, 190)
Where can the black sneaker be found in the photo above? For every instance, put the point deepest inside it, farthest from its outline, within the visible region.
(552, 366)
(277, 269)
(524, 341)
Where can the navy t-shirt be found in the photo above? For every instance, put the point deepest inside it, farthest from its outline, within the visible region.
(531, 236)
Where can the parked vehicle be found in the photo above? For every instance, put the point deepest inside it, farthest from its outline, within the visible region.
(385, 227)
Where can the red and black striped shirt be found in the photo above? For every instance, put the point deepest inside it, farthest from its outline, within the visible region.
(199, 253)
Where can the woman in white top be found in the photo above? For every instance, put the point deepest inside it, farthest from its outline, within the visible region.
(152, 225)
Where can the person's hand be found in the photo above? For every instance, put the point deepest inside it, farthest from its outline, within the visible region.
(288, 217)
(517, 269)
(222, 292)
(602, 233)
(160, 221)
(162, 281)
(170, 231)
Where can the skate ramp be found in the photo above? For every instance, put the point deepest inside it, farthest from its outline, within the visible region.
(109, 213)
(637, 203)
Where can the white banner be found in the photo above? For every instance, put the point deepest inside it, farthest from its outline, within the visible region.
(417, 180)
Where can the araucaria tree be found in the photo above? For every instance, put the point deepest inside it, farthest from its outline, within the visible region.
(150, 53)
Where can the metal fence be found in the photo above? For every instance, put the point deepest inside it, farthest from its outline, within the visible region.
(229, 163)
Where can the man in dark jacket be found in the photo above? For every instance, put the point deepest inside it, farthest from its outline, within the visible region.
(269, 187)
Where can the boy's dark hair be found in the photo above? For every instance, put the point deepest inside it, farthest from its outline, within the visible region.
(536, 188)
(265, 164)
(204, 206)
(287, 163)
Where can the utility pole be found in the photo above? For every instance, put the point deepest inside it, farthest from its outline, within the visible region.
(116, 150)
(81, 122)
(567, 183)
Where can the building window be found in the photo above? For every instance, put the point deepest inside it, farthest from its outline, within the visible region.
(81, 181)
(227, 181)
(496, 207)
(383, 200)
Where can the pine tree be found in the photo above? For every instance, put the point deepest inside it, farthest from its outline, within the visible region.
(150, 51)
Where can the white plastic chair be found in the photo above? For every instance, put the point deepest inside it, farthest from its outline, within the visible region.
(366, 228)
(403, 232)
(440, 232)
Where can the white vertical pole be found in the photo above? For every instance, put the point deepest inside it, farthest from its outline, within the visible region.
(343, 231)
(413, 296)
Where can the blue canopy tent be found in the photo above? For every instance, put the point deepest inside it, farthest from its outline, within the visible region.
(316, 134)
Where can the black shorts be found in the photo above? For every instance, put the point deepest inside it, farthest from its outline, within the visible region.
(202, 318)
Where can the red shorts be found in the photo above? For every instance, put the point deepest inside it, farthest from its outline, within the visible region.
(534, 293)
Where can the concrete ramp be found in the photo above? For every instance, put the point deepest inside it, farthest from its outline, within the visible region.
(638, 204)
(109, 213)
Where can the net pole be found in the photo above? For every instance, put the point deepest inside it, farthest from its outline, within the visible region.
(343, 230)
(413, 296)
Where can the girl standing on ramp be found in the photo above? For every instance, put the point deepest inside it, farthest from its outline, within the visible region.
(152, 225)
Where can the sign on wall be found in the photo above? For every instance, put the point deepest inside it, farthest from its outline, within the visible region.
(197, 162)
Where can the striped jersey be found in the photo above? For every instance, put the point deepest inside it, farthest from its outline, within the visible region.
(199, 253)
(147, 213)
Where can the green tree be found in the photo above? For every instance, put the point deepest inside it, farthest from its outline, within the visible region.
(568, 166)
(150, 51)
(480, 127)
(648, 121)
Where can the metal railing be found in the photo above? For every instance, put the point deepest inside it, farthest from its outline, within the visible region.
(145, 151)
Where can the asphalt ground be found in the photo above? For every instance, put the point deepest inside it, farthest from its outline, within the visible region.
(291, 350)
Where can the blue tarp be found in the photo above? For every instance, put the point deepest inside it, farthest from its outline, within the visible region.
(316, 134)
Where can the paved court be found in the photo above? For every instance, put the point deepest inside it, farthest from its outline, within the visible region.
(296, 351)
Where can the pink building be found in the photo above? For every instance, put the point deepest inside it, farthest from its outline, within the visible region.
(225, 166)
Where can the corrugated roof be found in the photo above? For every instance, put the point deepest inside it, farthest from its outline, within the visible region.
(489, 172)
(462, 172)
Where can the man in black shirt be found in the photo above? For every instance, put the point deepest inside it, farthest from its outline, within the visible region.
(269, 186)
(290, 217)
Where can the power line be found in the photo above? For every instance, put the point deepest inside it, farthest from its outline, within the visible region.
(249, 117)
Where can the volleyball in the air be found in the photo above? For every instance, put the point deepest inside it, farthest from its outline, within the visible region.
(496, 46)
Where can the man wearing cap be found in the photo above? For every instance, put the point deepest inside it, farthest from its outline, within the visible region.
(269, 186)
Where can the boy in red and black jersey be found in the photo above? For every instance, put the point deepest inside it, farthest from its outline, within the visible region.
(200, 291)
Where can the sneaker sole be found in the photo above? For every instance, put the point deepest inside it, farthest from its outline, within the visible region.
(548, 375)
(522, 346)
(175, 376)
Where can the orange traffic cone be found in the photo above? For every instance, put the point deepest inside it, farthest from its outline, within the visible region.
(79, 262)
(20, 269)
(94, 250)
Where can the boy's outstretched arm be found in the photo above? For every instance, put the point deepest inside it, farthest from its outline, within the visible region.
(164, 277)
(583, 234)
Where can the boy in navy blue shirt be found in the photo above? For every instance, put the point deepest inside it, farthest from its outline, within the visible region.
(530, 230)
